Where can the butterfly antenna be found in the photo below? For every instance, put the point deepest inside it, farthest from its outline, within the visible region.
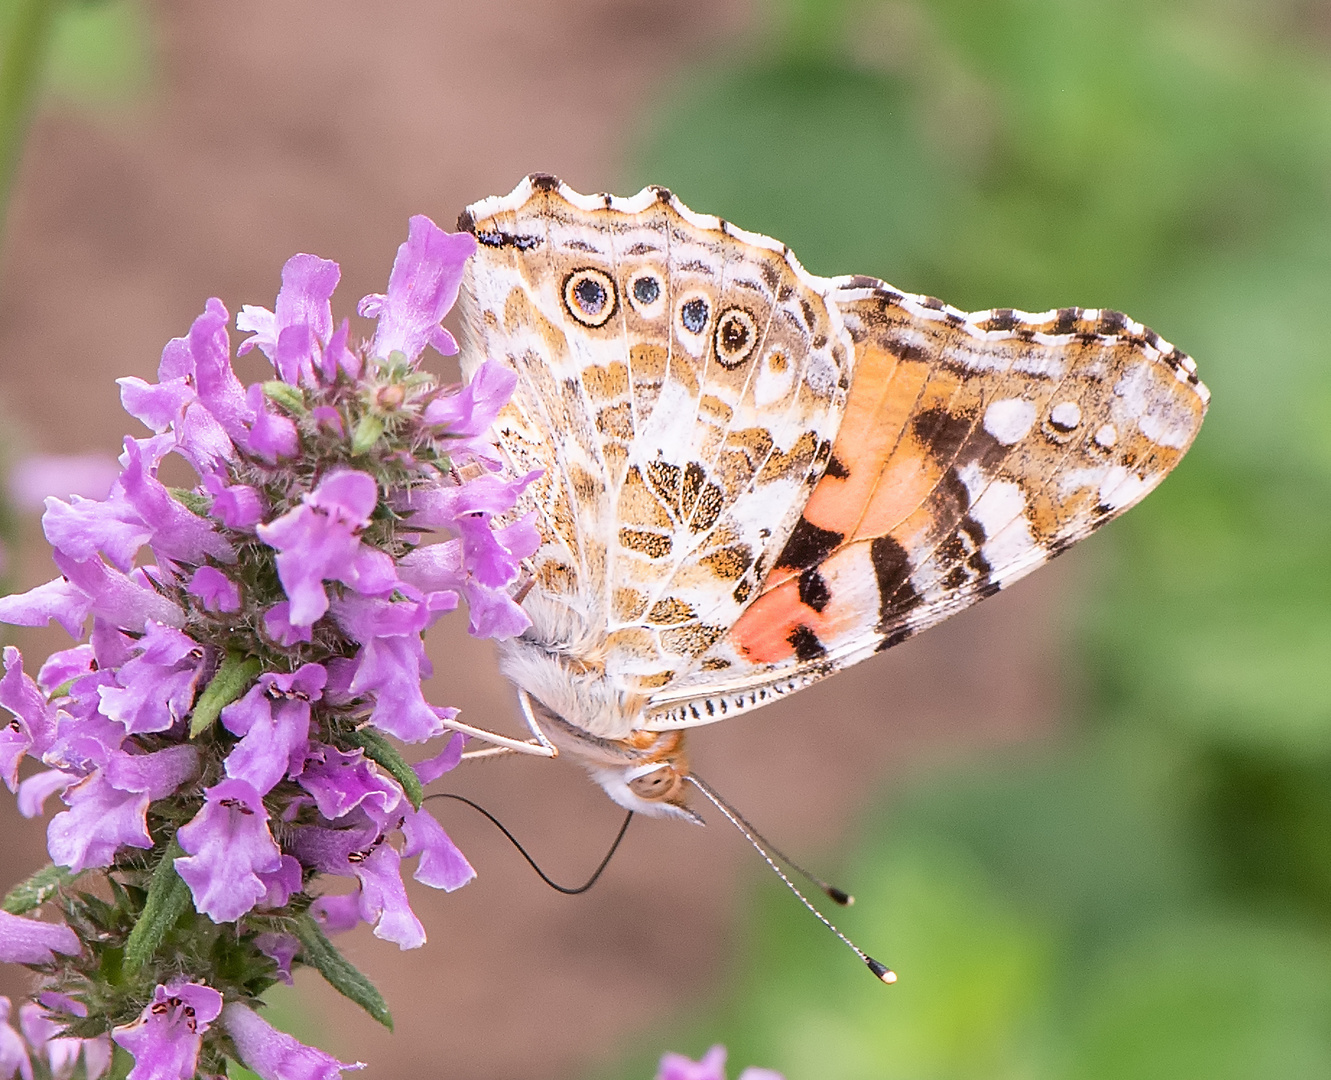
(881, 971)
(566, 890)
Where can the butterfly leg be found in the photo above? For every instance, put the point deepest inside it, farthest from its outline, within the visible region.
(502, 743)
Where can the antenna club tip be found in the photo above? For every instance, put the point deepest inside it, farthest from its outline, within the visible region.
(840, 897)
(882, 971)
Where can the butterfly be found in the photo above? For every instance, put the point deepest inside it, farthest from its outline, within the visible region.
(751, 477)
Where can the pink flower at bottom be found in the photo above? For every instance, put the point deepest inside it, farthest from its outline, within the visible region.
(275, 1055)
(712, 1066)
(165, 1040)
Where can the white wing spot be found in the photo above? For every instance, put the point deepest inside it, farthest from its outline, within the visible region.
(1106, 436)
(1066, 415)
(1009, 420)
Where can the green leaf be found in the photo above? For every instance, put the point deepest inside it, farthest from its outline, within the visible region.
(192, 501)
(368, 432)
(168, 899)
(342, 975)
(379, 750)
(36, 890)
(286, 395)
(232, 678)
(122, 1062)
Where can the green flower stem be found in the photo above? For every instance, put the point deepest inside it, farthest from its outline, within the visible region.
(22, 64)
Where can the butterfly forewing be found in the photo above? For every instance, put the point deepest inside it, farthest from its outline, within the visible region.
(698, 376)
(974, 448)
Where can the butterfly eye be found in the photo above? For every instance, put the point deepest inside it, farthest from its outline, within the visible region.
(589, 296)
(736, 336)
(693, 315)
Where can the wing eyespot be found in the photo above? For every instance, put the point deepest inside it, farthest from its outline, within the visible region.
(590, 296)
(646, 293)
(736, 336)
(693, 315)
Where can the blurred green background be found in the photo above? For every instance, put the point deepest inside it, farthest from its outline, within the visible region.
(1150, 896)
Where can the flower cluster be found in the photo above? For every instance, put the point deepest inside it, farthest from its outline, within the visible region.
(220, 740)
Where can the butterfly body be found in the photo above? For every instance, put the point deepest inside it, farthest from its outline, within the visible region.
(752, 477)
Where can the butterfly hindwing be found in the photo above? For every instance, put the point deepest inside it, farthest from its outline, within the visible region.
(973, 449)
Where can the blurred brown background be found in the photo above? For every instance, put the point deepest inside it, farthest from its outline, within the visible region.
(304, 126)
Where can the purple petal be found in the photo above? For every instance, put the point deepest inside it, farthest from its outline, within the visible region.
(57, 599)
(712, 1066)
(271, 436)
(100, 820)
(470, 412)
(157, 405)
(83, 527)
(341, 781)
(238, 506)
(442, 865)
(383, 899)
(229, 845)
(364, 618)
(13, 1050)
(277, 625)
(283, 949)
(166, 1038)
(422, 287)
(37, 788)
(431, 769)
(156, 688)
(177, 533)
(308, 283)
(62, 666)
(28, 941)
(275, 734)
(282, 883)
(273, 1054)
(22, 697)
(337, 914)
(390, 669)
(338, 355)
(217, 591)
(115, 597)
(220, 392)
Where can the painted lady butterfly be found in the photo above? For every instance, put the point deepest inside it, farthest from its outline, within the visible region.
(754, 477)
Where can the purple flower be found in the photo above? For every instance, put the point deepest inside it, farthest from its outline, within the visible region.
(63, 666)
(217, 591)
(468, 414)
(166, 1038)
(33, 728)
(229, 847)
(177, 533)
(391, 669)
(319, 541)
(282, 948)
(238, 506)
(293, 337)
(37, 788)
(108, 809)
(271, 436)
(155, 688)
(363, 852)
(273, 1054)
(273, 720)
(337, 914)
(442, 865)
(281, 883)
(13, 1050)
(43, 1035)
(27, 941)
(423, 285)
(712, 1066)
(277, 625)
(340, 782)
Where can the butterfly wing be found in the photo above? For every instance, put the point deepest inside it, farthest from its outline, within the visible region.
(680, 384)
(973, 449)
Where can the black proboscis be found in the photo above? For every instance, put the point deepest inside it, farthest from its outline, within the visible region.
(566, 890)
